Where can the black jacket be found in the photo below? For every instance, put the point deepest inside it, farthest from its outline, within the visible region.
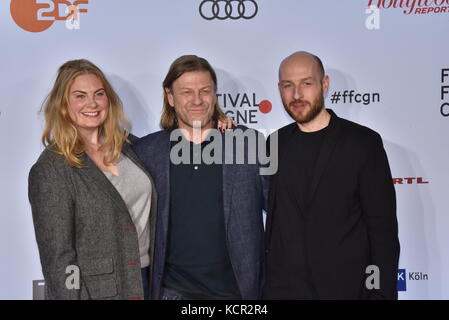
(351, 220)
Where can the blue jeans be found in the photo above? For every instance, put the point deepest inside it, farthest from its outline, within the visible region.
(145, 274)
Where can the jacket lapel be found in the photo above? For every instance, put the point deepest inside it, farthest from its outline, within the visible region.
(228, 183)
(162, 159)
(93, 173)
(96, 176)
(283, 140)
(329, 143)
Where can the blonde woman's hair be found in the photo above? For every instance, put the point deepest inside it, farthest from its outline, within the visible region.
(183, 64)
(60, 133)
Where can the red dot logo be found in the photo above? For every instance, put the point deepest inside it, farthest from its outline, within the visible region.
(265, 106)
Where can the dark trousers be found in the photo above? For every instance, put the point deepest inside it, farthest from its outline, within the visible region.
(169, 294)
(145, 274)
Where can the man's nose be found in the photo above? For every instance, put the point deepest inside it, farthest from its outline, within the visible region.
(197, 98)
(298, 93)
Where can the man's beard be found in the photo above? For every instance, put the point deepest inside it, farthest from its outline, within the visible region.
(315, 108)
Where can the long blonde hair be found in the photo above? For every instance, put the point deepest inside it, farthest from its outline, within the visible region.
(60, 134)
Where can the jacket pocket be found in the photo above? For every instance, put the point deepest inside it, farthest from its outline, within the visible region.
(94, 267)
(101, 289)
(99, 277)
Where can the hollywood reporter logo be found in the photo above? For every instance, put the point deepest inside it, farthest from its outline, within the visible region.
(228, 9)
(412, 6)
(39, 15)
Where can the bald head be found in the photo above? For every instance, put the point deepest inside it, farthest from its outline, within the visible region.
(302, 58)
(302, 85)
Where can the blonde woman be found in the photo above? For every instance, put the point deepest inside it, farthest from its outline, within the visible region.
(93, 203)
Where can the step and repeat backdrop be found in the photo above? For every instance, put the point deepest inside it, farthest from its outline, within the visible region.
(388, 63)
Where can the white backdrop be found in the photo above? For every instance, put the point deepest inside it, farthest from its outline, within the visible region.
(392, 59)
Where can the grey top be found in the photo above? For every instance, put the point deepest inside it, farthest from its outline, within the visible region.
(134, 187)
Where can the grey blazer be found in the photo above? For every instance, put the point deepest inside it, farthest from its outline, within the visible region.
(81, 220)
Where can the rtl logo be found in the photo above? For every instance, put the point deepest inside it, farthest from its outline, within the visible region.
(417, 180)
(39, 15)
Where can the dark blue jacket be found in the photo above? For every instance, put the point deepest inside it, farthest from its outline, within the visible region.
(244, 197)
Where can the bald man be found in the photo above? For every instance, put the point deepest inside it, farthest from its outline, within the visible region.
(331, 228)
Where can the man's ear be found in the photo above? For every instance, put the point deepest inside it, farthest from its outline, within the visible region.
(325, 83)
(169, 96)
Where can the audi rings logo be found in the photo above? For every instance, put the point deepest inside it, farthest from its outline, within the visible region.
(228, 9)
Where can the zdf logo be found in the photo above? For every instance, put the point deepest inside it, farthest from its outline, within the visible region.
(39, 15)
